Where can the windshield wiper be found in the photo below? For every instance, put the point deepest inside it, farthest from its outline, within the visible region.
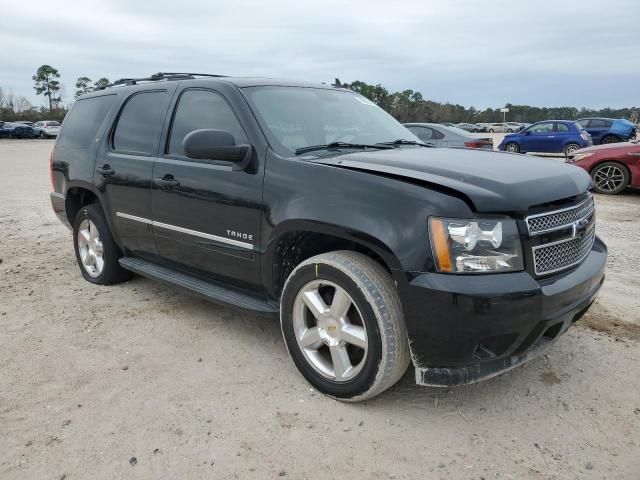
(336, 145)
(402, 141)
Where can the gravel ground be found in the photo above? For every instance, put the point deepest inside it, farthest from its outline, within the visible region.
(139, 381)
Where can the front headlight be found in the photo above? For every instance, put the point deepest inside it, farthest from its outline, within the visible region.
(475, 245)
(578, 156)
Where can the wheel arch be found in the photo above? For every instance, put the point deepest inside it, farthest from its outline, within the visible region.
(297, 240)
(78, 195)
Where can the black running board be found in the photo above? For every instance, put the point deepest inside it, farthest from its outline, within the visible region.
(214, 291)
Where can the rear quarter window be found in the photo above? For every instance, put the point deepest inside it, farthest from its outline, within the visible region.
(82, 122)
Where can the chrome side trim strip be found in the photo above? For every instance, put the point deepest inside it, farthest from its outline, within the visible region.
(134, 218)
(187, 231)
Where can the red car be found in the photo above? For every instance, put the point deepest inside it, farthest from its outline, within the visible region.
(613, 167)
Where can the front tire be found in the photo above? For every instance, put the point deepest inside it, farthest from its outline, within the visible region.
(96, 252)
(343, 325)
(569, 149)
(42, 135)
(512, 147)
(610, 178)
(491, 130)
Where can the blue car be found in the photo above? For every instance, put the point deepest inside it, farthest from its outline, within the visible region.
(608, 130)
(550, 136)
(16, 130)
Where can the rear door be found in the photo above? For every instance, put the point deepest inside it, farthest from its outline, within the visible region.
(598, 128)
(124, 167)
(206, 217)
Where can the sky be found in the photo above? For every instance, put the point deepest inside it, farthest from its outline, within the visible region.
(475, 53)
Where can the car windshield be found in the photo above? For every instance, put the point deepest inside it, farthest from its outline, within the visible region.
(299, 117)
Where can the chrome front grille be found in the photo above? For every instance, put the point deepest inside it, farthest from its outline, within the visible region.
(556, 256)
(559, 219)
(570, 233)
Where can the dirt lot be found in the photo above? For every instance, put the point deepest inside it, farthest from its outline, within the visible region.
(138, 381)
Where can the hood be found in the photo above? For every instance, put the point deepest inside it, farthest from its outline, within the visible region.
(610, 146)
(492, 181)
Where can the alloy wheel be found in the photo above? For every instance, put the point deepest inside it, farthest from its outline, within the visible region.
(329, 330)
(90, 248)
(609, 178)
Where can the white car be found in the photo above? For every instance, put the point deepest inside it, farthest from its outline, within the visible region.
(46, 128)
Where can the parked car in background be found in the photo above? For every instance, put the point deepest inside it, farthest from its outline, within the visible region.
(24, 122)
(613, 167)
(448, 124)
(608, 130)
(46, 128)
(484, 127)
(469, 127)
(16, 130)
(514, 127)
(442, 136)
(498, 128)
(551, 136)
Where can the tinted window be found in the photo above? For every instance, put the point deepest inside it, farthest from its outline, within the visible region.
(599, 123)
(435, 134)
(83, 121)
(583, 123)
(140, 122)
(422, 133)
(202, 109)
(562, 127)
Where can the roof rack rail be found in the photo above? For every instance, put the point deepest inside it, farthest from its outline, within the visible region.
(160, 76)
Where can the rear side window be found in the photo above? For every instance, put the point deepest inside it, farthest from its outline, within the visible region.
(202, 109)
(562, 127)
(599, 123)
(140, 122)
(83, 121)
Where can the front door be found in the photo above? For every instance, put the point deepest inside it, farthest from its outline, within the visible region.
(538, 138)
(124, 167)
(206, 217)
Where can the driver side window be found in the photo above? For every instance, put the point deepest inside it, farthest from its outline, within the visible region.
(198, 109)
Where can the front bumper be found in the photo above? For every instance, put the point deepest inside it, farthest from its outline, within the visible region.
(463, 329)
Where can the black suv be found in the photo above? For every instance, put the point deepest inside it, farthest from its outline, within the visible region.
(310, 201)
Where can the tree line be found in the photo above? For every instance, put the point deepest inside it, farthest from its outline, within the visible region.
(405, 105)
(410, 106)
(46, 83)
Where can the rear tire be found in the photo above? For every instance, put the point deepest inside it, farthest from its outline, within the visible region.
(610, 178)
(610, 139)
(491, 130)
(362, 329)
(96, 252)
(569, 149)
(512, 147)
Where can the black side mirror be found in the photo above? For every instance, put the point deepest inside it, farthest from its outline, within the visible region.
(209, 144)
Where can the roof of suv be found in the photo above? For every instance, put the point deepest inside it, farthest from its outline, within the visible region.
(240, 82)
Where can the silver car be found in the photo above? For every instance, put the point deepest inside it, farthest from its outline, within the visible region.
(46, 128)
(438, 135)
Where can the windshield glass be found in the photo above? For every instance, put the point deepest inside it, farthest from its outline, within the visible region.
(298, 117)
